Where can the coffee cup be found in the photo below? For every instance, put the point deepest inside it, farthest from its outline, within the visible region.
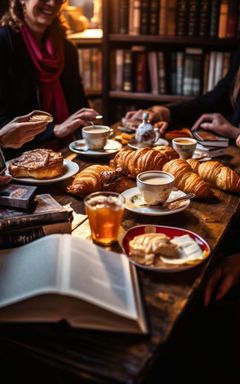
(155, 186)
(96, 136)
(184, 146)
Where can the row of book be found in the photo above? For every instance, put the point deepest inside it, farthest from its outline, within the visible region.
(189, 72)
(90, 68)
(215, 18)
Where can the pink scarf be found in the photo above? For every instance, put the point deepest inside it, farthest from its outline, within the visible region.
(49, 64)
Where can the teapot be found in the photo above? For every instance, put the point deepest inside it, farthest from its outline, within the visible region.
(146, 135)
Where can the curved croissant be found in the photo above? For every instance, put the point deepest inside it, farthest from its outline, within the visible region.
(217, 174)
(187, 180)
(87, 181)
(144, 159)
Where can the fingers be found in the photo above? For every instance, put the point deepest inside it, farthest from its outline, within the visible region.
(4, 179)
(207, 126)
(163, 128)
(130, 114)
(224, 287)
(206, 118)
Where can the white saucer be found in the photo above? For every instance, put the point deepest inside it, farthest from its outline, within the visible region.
(70, 169)
(135, 205)
(133, 144)
(79, 146)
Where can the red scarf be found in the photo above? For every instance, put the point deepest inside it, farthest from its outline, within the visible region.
(49, 63)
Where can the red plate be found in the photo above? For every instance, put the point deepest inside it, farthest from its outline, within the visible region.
(170, 232)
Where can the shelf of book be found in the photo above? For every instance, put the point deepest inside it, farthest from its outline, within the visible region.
(195, 38)
(148, 96)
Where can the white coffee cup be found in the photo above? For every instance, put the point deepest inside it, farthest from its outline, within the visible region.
(96, 136)
(155, 186)
(184, 146)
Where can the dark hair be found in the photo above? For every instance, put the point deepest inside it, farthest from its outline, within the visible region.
(13, 15)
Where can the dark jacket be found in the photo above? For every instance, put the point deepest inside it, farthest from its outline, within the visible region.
(19, 87)
(218, 100)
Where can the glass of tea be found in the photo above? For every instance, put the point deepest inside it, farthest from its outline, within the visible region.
(105, 211)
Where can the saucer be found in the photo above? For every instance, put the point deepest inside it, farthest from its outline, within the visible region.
(134, 145)
(79, 146)
(134, 203)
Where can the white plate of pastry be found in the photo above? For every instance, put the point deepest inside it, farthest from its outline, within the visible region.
(79, 146)
(164, 249)
(134, 145)
(134, 202)
(70, 168)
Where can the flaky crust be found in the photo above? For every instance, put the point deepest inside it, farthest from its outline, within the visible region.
(39, 163)
(144, 159)
(217, 174)
(88, 180)
(187, 180)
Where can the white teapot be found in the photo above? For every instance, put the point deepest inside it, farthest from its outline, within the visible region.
(146, 135)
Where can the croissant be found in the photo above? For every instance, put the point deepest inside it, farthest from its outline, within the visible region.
(187, 180)
(144, 159)
(89, 180)
(217, 174)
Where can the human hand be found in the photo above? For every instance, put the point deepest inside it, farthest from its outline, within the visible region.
(155, 114)
(20, 130)
(4, 179)
(223, 278)
(217, 123)
(83, 116)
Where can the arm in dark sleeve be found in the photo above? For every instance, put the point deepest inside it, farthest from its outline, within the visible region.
(217, 100)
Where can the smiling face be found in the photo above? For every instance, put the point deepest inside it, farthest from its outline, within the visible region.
(40, 14)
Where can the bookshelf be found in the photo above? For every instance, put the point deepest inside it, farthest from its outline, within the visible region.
(197, 36)
(89, 45)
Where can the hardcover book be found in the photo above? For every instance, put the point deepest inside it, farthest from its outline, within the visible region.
(47, 210)
(17, 196)
(63, 277)
(209, 139)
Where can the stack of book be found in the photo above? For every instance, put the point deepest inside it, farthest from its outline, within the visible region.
(45, 216)
(209, 143)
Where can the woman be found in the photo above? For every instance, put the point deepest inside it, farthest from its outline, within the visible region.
(39, 69)
(17, 132)
(217, 110)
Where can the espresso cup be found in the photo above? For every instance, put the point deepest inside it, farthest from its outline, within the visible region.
(155, 186)
(96, 136)
(184, 146)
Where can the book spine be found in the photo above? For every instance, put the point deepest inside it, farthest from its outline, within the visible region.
(127, 71)
(204, 18)
(34, 219)
(24, 236)
(123, 16)
(154, 17)
(214, 17)
(193, 17)
(144, 17)
(182, 18)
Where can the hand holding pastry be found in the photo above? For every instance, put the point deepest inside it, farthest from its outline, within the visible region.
(20, 130)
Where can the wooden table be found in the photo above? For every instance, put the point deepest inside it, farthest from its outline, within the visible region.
(73, 356)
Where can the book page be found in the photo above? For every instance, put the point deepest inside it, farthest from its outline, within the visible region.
(29, 270)
(98, 276)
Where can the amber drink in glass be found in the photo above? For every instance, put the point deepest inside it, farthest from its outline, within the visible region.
(105, 211)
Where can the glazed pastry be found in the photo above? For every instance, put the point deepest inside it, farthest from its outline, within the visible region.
(39, 163)
(217, 174)
(187, 180)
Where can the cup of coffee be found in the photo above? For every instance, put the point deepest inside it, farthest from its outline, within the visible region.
(96, 136)
(155, 186)
(184, 146)
(105, 211)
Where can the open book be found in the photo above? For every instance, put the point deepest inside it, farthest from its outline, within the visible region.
(209, 138)
(63, 277)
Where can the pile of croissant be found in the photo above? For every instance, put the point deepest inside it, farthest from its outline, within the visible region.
(190, 175)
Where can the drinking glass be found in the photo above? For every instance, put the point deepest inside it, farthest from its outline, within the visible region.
(105, 211)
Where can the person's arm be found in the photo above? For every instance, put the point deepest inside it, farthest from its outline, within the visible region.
(217, 123)
(223, 278)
